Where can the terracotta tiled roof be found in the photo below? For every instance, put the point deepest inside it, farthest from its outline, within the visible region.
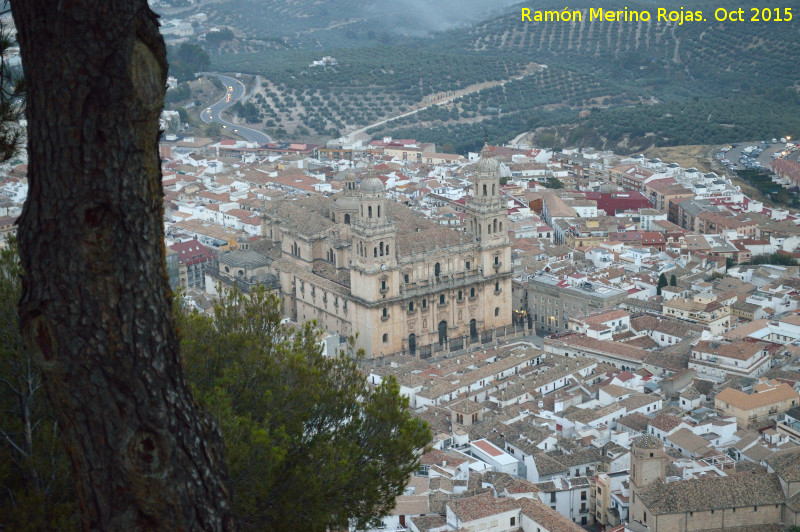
(480, 506)
(712, 493)
(546, 517)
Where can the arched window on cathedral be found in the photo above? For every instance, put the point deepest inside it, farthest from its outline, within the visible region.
(484, 190)
(369, 211)
(381, 249)
(494, 190)
(489, 229)
(387, 249)
(379, 211)
(374, 252)
(494, 226)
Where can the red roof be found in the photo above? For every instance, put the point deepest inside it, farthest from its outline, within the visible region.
(191, 252)
(619, 201)
(487, 447)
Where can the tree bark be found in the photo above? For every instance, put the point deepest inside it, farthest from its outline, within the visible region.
(96, 305)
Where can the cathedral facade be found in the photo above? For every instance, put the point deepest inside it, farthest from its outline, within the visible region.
(358, 263)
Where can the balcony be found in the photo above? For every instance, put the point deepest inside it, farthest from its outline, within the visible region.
(384, 317)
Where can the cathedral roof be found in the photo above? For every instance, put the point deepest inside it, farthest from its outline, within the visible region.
(345, 202)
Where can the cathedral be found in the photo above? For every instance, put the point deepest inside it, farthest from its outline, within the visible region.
(360, 264)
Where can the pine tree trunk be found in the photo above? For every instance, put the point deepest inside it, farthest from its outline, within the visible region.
(96, 306)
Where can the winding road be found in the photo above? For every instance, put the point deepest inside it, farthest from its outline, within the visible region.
(234, 93)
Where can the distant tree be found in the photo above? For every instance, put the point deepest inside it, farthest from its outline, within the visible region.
(310, 445)
(183, 114)
(187, 59)
(662, 282)
(779, 259)
(214, 129)
(215, 38)
(673, 281)
(553, 182)
(730, 262)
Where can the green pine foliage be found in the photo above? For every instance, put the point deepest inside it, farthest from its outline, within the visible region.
(310, 446)
(36, 491)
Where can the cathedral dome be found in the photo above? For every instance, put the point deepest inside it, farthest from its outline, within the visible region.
(486, 164)
(372, 185)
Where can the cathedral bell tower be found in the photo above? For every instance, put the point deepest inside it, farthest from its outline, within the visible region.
(486, 210)
(373, 241)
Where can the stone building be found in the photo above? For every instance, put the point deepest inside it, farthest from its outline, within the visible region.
(709, 503)
(552, 300)
(359, 263)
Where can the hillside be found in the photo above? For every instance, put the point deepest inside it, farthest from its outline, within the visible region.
(312, 24)
(622, 85)
(692, 83)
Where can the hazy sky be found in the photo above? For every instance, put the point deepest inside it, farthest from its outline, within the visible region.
(423, 16)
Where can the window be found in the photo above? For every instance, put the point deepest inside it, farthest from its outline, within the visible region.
(385, 338)
(424, 303)
(513, 521)
(553, 496)
(755, 508)
(497, 311)
(437, 269)
(651, 455)
(460, 295)
(411, 306)
(467, 266)
(599, 491)
(385, 312)
(497, 286)
(405, 278)
(472, 292)
(383, 284)
(583, 495)
(496, 260)
(441, 299)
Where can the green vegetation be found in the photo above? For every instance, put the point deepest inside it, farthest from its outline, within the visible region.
(181, 93)
(365, 86)
(772, 190)
(248, 111)
(643, 84)
(216, 38)
(214, 129)
(673, 281)
(662, 282)
(778, 259)
(310, 446)
(36, 491)
(187, 59)
(553, 182)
